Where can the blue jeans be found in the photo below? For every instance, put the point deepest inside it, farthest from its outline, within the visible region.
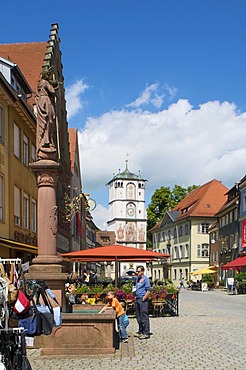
(142, 315)
(121, 321)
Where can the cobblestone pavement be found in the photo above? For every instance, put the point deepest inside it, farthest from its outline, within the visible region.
(210, 334)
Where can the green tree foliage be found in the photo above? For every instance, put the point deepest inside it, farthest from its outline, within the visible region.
(163, 199)
(160, 202)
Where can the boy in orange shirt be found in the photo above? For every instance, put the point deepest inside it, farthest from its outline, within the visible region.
(120, 314)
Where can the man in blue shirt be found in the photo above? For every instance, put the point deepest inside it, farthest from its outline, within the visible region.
(142, 304)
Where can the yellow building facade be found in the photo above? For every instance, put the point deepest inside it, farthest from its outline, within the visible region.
(18, 190)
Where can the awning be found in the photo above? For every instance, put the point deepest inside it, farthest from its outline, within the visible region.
(114, 253)
(11, 244)
(236, 264)
(111, 252)
(205, 270)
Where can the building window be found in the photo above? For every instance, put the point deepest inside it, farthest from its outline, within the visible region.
(202, 250)
(33, 153)
(244, 203)
(1, 197)
(25, 150)
(34, 216)
(186, 250)
(181, 231)
(75, 234)
(16, 141)
(118, 184)
(169, 234)
(175, 274)
(26, 211)
(176, 252)
(186, 229)
(203, 228)
(17, 206)
(1, 124)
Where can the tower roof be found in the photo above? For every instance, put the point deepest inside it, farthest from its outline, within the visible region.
(127, 175)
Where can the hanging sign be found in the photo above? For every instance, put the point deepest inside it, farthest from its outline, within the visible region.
(244, 234)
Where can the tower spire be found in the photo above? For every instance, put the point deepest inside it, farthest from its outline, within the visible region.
(127, 155)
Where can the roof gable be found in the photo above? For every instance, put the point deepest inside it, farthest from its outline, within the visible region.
(169, 218)
(29, 57)
(204, 201)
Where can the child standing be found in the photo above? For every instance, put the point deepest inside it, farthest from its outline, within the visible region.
(126, 319)
(120, 314)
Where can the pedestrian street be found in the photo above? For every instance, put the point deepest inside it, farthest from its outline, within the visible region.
(210, 333)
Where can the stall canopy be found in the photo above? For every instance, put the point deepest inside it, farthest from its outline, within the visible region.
(110, 252)
(206, 270)
(236, 264)
(114, 253)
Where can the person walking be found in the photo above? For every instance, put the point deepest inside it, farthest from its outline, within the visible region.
(142, 304)
(182, 283)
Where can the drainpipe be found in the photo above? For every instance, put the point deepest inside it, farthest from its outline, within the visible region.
(189, 250)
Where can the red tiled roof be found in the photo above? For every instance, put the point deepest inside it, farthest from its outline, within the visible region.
(72, 135)
(156, 226)
(228, 204)
(29, 57)
(204, 201)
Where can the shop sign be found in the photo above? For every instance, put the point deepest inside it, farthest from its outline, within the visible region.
(25, 238)
(244, 234)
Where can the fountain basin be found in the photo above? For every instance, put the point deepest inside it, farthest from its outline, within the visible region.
(81, 334)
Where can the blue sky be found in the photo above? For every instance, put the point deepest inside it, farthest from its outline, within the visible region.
(162, 80)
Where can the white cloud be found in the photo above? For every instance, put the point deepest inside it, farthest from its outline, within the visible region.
(73, 97)
(100, 217)
(178, 145)
(154, 95)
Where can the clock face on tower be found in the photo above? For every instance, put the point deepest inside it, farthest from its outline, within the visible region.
(131, 211)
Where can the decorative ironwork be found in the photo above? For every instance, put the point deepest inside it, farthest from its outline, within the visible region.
(73, 204)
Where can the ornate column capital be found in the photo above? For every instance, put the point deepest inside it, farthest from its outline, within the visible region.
(47, 179)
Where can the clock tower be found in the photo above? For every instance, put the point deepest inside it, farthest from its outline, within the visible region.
(127, 209)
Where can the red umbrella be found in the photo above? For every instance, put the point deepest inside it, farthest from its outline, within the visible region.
(116, 253)
(112, 251)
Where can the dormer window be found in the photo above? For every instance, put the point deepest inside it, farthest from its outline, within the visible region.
(15, 78)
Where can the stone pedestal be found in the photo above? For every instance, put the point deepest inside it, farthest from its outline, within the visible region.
(81, 334)
(47, 265)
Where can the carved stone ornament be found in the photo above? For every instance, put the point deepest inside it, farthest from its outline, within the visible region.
(46, 179)
(53, 220)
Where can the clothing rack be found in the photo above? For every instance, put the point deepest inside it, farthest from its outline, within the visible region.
(10, 260)
(13, 330)
(13, 262)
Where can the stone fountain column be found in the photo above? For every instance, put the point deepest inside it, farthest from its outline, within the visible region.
(47, 265)
(46, 174)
